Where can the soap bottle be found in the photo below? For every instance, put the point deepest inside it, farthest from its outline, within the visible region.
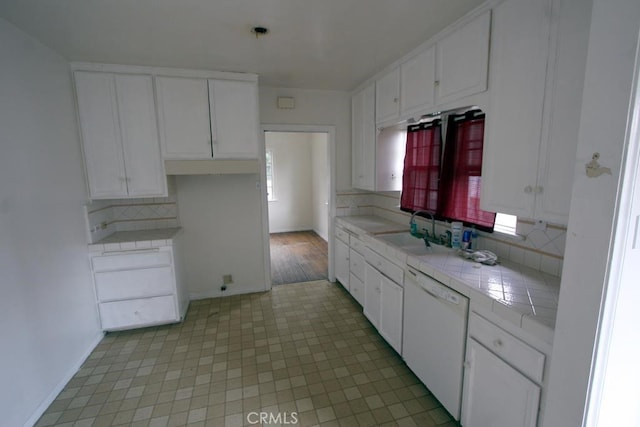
(456, 234)
(474, 238)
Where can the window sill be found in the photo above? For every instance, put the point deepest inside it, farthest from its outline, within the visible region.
(510, 236)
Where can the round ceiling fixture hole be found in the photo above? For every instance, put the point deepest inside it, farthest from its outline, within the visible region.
(259, 31)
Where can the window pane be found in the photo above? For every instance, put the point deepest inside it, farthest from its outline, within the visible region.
(506, 223)
(269, 168)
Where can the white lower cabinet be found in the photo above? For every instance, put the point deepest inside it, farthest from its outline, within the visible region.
(341, 258)
(495, 394)
(391, 296)
(350, 262)
(383, 306)
(372, 283)
(502, 378)
(138, 288)
(356, 288)
(138, 312)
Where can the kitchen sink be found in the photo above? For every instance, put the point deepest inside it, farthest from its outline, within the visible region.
(411, 245)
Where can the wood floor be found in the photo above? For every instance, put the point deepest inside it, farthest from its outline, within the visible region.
(298, 257)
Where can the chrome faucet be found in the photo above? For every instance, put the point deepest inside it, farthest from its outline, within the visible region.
(412, 223)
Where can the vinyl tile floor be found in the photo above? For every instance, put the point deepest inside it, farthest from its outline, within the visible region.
(303, 354)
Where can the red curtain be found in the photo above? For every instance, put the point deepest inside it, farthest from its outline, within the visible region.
(421, 168)
(461, 177)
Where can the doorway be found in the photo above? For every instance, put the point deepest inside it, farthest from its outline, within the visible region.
(297, 178)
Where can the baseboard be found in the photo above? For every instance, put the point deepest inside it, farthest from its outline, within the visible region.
(61, 385)
(290, 230)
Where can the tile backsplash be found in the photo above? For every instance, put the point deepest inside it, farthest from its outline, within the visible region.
(105, 217)
(542, 250)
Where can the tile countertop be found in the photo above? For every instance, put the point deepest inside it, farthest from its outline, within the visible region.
(518, 294)
(138, 239)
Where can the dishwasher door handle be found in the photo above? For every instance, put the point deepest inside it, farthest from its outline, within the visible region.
(430, 292)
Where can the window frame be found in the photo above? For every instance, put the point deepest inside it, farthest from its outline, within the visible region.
(270, 175)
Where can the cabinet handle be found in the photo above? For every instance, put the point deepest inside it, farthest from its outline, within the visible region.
(395, 100)
(436, 83)
(497, 343)
(528, 189)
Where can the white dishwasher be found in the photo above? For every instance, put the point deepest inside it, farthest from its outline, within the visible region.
(434, 335)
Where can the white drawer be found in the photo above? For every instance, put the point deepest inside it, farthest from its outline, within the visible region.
(356, 288)
(138, 312)
(358, 245)
(385, 266)
(518, 354)
(342, 235)
(356, 264)
(131, 260)
(129, 284)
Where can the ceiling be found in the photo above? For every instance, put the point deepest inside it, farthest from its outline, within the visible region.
(313, 44)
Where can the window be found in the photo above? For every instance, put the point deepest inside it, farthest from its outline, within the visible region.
(461, 177)
(421, 167)
(445, 179)
(270, 184)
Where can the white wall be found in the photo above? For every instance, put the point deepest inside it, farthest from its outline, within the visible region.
(320, 171)
(292, 209)
(49, 318)
(608, 80)
(221, 217)
(315, 107)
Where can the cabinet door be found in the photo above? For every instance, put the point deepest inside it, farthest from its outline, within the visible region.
(342, 262)
(356, 289)
(388, 96)
(183, 110)
(372, 282)
(563, 100)
(234, 118)
(463, 58)
(495, 394)
(102, 142)
(519, 50)
(142, 159)
(417, 82)
(363, 140)
(391, 296)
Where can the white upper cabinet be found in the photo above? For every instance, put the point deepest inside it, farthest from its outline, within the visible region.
(183, 111)
(119, 134)
(563, 101)
(363, 139)
(142, 159)
(204, 119)
(462, 60)
(417, 77)
(388, 96)
(234, 118)
(533, 114)
(453, 67)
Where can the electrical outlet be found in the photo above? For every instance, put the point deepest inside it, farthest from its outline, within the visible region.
(227, 279)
